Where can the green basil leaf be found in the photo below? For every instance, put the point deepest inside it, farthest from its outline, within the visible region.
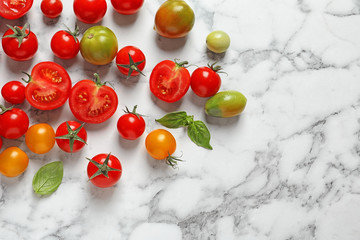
(174, 120)
(48, 178)
(199, 134)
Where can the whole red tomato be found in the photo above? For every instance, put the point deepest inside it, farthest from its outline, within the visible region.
(90, 11)
(131, 125)
(174, 19)
(127, 7)
(92, 101)
(71, 136)
(13, 92)
(130, 61)
(19, 43)
(169, 81)
(65, 44)
(205, 81)
(104, 170)
(11, 9)
(51, 8)
(14, 122)
(48, 86)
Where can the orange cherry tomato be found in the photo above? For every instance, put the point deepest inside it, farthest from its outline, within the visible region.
(40, 138)
(160, 143)
(13, 162)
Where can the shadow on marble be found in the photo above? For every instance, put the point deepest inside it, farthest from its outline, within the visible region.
(223, 122)
(128, 144)
(214, 56)
(51, 21)
(167, 107)
(19, 66)
(123, 20)
(169, 44)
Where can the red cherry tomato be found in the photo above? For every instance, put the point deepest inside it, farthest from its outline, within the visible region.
(104, 170)
(92, 101)
(65, 44)
(205, 81)
(127, 7)
(48, 87)
(51, 8)
(90, 11)
(13, 92)
(169, 81)
(130, 61)
(14, 122)
(131, 125)
(71, 136)
(11, 9)
(19, 43)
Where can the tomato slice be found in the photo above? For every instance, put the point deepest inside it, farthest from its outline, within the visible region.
(49, 86)
(169, 81)
(13, 9)
(92, 102)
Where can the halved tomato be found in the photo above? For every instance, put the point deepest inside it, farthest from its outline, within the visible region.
(92, 101)
(48, 87)
(14, 9)
(169, 81)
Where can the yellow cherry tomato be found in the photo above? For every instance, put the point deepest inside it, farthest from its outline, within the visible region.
(13, 162)
(160, 144)
(40, 138)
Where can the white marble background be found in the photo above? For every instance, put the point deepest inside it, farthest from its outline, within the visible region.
(286, 169)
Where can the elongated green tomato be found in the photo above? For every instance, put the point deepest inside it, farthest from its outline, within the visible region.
(218, 41)
(225, 104)
(98, 45)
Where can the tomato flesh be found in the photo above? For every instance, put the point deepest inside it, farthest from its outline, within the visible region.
(14, 9)
(169, 81)
(92, 103)
(49, 86)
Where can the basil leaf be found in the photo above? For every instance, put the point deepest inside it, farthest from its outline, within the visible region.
(174, 120)
(199, 134)
(48, 178)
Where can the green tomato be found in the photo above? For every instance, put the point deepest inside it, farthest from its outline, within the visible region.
(225, 104)
(218, 41)
(99, 45)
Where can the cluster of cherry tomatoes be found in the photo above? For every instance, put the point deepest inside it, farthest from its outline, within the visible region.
(49, 85)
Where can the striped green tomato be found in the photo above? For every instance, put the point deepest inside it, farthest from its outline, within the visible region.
(225, 104)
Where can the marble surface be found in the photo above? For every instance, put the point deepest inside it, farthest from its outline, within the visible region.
(286, 169)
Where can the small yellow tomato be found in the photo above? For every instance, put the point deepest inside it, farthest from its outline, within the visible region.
(13, 162)
(218, 41)
(40, 138)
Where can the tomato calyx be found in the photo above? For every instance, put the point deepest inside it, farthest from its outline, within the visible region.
(133, 111)
(132, 66)
(172, 160)
(5, 109)
(72, 135)
(28, 75)
(19, 33)
(215, 68)
(183, 64)
(103, 169)
(74, 33)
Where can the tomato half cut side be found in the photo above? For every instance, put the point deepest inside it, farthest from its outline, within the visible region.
(169, 81)
(14, 9)
(49, 86)
(92, 102)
